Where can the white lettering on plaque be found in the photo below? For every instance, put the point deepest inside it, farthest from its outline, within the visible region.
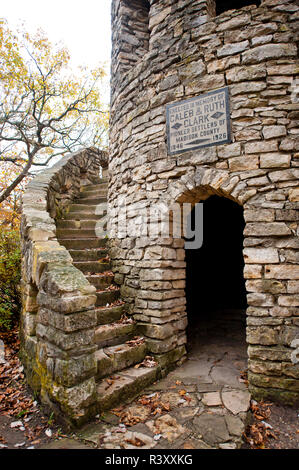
(198, 122)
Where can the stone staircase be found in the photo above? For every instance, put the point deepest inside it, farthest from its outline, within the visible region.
(121, 352)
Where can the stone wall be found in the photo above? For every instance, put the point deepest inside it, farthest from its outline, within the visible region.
(58, 318)
(253, 51)
(130, 34)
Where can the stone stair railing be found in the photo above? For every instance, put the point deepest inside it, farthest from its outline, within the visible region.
(58, 318)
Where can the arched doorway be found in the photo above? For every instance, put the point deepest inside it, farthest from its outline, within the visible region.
(215, 288)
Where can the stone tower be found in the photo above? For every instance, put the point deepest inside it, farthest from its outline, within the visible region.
(204, 101)
(204, 107)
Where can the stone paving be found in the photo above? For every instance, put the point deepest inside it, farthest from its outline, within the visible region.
(202, 404)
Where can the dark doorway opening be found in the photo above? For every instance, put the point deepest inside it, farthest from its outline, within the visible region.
(215, 286)
(225, 5)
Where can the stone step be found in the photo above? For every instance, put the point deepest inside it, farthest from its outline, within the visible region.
(91, 208)
(119, 357)
(100, 280)
(89, 215)
(102, 182)
(114, 333)
(94, 201)
(110, 314)
(89, 254)
(91, 193)
(76, 224)
(75, 233)
(105, 297)
(115, 389)
(95, 180)
(92, 266)
(82, 243)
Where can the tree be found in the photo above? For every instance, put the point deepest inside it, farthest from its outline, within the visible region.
(10, 275)
(45, 109)
(10, 209)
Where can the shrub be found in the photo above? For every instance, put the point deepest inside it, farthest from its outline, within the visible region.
(10, 275)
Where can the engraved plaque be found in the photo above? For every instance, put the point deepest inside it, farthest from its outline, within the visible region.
(198, 122)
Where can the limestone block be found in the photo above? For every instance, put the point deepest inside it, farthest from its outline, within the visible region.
(288, 300)
(262, 335)
(73, 371)
(271, 132)
(294, 195)
(234, 23)
(222, 64)
(276, 353)
(233, 48)
(260, 255)
(268, 51)
(29, 323)
(67, 323)
(157, 346)
(67, 342)
(293, 287)
(284, 175)
(289, 334)
(282, 271)
(275, 160)
(74, 401)
(42, 234)
(259, 215)
(47, 252)
(252, 271)
(261, 147)
(248, 87)
(265, 367)
(157, 331)
(248, 162)
(257, 312)
(271, 286)
(67, 304)
(58, 279)
(266, 381)
(161, 275)
(157, 252)
(159, 17)
(278, 229)
(229, 150)
(260, 300)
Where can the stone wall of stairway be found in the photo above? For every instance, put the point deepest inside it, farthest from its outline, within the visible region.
(190, 51)
(58, 318)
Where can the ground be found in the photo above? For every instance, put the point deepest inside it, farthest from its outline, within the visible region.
(201, 405)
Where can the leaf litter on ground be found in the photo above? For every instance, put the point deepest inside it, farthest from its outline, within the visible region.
(258, 433)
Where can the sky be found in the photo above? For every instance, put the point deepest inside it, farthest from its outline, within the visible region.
(83, 26)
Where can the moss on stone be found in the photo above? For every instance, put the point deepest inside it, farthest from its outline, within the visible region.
(170, 357)
(280, 396)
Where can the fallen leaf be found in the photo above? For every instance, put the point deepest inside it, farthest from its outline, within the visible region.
(135, 442)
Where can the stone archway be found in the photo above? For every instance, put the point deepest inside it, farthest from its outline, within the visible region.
(216, 295)
(212, 371)
(214, 270)
(268, 336)
(204, 186)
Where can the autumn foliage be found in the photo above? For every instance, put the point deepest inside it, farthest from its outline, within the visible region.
(10, 273)
(46, 108)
